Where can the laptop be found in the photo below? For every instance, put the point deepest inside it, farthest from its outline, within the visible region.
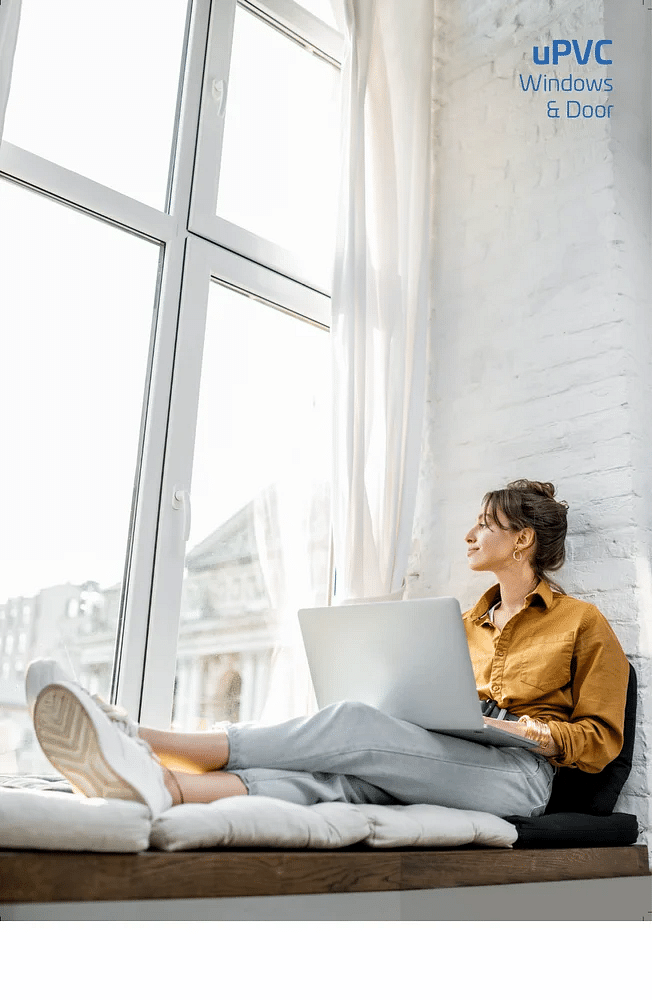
(408, 658)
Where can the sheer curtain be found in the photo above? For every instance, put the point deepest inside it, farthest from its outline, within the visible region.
(9, 20)
(291, 520)
(381, 289)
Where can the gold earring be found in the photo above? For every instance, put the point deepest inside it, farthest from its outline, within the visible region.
(520, 555)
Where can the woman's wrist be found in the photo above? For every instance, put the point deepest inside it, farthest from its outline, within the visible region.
(535, 729)
(532, 729)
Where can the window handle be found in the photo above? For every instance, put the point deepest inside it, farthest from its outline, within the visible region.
(181, 501)
(218, 91)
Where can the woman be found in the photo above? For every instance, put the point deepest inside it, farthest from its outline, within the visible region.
(547, 664)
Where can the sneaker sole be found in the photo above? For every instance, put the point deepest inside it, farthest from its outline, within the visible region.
(69, 740)
(41, 673)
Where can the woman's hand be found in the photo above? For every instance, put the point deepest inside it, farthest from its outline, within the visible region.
(506, 724)
(531, 729)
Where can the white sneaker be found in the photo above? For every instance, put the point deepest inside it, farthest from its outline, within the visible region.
(40, 673)
(95, 754)
(116, 714)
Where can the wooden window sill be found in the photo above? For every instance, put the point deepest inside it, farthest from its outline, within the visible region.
(58, 876)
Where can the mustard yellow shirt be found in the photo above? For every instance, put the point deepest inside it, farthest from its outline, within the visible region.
(557, 660)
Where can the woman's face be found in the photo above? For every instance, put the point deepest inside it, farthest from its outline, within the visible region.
(490, 547)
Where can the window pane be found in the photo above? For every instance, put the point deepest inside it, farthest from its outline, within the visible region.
(94, 88)
(259, 547)
(77, 303)
(279, 170)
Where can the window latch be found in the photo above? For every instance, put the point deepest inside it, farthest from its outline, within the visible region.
(181, 501)
(218, 92)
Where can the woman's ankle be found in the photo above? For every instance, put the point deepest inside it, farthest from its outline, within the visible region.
(202, 788)
(173, 786)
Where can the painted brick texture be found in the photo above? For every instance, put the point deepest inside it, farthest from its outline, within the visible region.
(541, 355)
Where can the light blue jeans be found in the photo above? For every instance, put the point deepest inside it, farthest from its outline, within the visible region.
(351, 752)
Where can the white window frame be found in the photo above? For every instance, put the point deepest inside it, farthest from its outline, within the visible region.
(196, 247)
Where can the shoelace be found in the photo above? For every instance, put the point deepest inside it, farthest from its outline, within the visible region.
(119, 717)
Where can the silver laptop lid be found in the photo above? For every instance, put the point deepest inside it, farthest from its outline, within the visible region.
(408, 658)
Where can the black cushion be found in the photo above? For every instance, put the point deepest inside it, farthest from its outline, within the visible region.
(580, 810)
(575, 829)
(578, 791)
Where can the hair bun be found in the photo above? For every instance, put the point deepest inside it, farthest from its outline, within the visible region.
(542, 489)
(545, 489)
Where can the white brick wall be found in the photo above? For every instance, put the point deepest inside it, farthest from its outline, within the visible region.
(541, 355)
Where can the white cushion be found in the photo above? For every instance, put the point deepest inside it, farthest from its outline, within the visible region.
(259, 821)
(250, 821)
(435, 826)
(60, 821)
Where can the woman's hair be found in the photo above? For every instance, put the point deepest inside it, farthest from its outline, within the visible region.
(528, 504)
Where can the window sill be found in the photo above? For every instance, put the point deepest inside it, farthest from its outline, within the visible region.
(58, 876)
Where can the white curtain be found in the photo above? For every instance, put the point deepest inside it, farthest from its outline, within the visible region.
(291, 522)
(381, 289)
(9, 21)
(9, 17)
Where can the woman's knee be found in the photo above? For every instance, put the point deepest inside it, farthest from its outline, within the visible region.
(354, 711)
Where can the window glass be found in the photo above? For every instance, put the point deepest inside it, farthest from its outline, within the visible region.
(279, 168)
(94, 88)
(259, 547)
(77, 304)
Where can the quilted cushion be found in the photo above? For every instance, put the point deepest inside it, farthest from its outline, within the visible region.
(247, 821)
(46, 820)
(435, 826)
(250, 821)
(52, 821)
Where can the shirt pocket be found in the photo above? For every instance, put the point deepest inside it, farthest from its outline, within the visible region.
(544, 666)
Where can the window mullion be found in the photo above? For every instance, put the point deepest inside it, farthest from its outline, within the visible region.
(158, 681)
(256, 248)
(133, 637)
(140, 642)
(212, 109)
(83, 193)
(185, 152)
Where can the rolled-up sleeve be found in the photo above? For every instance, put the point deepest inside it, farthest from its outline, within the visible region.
(593, 735)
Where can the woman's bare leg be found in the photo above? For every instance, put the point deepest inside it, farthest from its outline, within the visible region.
(206, 787)
(192, 753)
